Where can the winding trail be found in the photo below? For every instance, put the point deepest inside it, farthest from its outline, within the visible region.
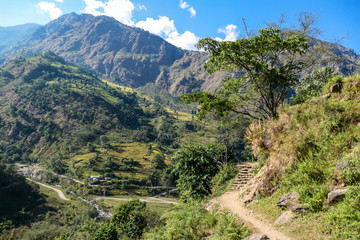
(59, 192)
(231, 202)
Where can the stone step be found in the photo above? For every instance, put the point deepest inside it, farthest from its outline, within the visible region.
(245, 174)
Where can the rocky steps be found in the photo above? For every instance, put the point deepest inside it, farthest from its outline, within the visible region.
(245, 174)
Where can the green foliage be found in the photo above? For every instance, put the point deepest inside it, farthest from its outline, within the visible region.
(106, 232)
(351, 173)
(268, 74)
(228, 227)
(345, 218)
(312, 86)
(57, 165)
(337, 79)
(307, 177)
(41, 231)
(221, 181)
(158, 161)
(192, 221)
(196, 166)
(130, 218)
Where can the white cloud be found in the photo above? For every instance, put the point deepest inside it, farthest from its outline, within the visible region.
(192, 12)
(231, 32)
(121, 10)
(50, 8)
(141, 7)
(187, 40)
(159, 27)
(165, 28)
(185, 5)
(60, 1)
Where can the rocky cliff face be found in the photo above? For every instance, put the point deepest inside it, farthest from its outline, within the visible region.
(126, 55)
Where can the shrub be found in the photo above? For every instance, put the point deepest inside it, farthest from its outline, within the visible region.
(130, 218)
(196, 166)
(106, 232)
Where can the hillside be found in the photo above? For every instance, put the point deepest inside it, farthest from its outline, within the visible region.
(126, 55)
(313, 150)
(73, 123)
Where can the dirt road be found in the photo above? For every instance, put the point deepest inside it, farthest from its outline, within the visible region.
(231, 202)
(59, 192)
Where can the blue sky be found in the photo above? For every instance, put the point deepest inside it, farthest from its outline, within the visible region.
(184, 22)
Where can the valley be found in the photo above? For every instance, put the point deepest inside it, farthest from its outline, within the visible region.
(108, 131)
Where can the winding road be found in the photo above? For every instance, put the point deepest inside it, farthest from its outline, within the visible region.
(59, 192)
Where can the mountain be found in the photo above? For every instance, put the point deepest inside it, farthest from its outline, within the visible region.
(126, 55)
(11, 35)
(134, 57)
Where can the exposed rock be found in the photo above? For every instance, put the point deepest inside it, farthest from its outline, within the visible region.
(267, 143)
(336, 181)
(336, 195)
(284, 200)
(266, 189)
(285, 218)
(295, 207)
(336, 87)
(249, 197)
(258, 236)
(326, 96)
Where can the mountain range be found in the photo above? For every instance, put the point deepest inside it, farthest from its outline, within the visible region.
(132, 56)
(125, 55)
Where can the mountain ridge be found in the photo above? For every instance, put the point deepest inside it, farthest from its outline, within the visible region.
(126, 55)
(135, 57)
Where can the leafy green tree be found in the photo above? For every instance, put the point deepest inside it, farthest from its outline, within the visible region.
(196, 166)
(312, 85)
(158, 161)
(106, 232)
(269, 61)
(130, 218)
(57, 165)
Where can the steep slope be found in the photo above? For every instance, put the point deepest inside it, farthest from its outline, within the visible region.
(126, 55)
(44, 99)
(312, 149)
(69, 121)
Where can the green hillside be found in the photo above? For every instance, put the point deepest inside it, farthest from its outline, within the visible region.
(70, 122)
(313, 149)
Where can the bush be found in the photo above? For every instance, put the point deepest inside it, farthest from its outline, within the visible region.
(221, 182)
(192, 221)
(351, 174)
(196, 166)
(312, 85)
(130, 218)
(106, 232)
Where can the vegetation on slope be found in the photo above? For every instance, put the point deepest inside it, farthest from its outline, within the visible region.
(312, 149)
(59, 115)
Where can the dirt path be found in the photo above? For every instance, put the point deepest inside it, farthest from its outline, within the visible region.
(149, 199)
(59, 192)
(230, 201)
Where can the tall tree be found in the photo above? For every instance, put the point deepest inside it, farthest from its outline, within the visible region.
(269, 62)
